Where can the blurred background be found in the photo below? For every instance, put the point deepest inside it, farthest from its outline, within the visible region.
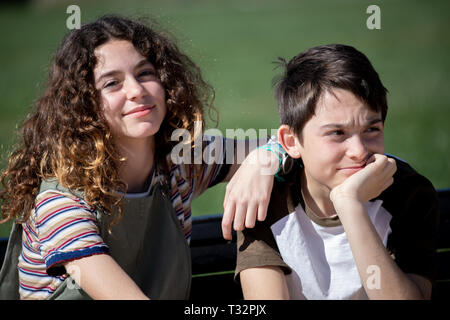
(235, 42)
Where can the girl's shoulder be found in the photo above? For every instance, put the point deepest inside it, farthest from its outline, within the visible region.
(57, 196)
(52, 196)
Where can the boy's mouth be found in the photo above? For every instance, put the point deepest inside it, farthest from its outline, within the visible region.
(356, 166)
(353, 169)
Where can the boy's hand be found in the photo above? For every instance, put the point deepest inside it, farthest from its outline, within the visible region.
(248, 192)
(367, 183)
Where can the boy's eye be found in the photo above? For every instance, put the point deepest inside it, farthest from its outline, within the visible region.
(373, 129)
(336, 133)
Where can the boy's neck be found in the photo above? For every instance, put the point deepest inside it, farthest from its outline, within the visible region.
(139, 155)
(317, 198)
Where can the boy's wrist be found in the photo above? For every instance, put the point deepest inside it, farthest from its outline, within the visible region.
(343, 199)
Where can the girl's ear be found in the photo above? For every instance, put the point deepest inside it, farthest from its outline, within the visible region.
(289, 141)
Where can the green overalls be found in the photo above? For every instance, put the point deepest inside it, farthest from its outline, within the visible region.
(148, 243)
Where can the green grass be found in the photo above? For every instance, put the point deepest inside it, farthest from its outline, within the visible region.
(235, 42)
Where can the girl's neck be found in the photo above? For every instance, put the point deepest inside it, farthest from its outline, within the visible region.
(317, 197)
(139, 157)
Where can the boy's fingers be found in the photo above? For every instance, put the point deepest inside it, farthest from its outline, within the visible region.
(388, 183)
(393, 165)
(390, 168)
(372, 158)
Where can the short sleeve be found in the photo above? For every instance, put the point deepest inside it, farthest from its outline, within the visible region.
(215, 166)
(415, 226)
(256, 247)
(66, 229)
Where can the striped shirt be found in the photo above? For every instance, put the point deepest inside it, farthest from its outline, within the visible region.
(62, 227)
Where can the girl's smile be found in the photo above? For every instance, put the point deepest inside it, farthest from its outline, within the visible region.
(140, 111)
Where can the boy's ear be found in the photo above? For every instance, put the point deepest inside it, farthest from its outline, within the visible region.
(289, 141)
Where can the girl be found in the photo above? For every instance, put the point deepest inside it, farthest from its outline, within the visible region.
(97, 201)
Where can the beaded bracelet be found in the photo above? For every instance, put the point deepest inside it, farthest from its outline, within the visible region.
(281, 154)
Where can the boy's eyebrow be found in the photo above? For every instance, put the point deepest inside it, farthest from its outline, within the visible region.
(344, 125)
(113, 72)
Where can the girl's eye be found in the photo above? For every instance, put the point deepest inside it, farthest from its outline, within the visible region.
(148, 72)
(111, 83)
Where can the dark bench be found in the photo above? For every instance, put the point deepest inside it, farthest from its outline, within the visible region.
(214, 259)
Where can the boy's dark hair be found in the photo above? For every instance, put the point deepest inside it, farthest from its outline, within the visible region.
(311, 73)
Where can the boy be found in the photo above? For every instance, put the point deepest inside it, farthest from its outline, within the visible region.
(347, 222)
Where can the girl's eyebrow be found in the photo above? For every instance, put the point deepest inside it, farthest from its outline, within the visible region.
(107, 74)
(142, 63)
(369, 122)
(113, 72)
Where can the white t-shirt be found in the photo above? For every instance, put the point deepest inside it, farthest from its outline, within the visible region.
(322, 262)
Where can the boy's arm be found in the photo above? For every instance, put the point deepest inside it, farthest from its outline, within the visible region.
(373, 260)
(264, 283)
(103, 279)
(371, 257)
(259, 266)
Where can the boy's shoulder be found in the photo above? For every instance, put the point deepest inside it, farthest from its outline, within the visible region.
(405, 170)
(286, 195)
(407, 183)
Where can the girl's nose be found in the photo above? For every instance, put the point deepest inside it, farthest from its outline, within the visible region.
(134, 89)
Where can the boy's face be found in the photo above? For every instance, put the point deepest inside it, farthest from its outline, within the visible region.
(337, 141)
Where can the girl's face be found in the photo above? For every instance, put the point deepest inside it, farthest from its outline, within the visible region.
(132, 96)
(338, 140)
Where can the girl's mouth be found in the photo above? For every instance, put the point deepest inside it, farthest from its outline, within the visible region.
(140, 111)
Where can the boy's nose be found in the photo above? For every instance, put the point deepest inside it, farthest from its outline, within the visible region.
(356, 149)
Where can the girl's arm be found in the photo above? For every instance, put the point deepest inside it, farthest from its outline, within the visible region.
(103, 279)
(371, 257)
(249, 188)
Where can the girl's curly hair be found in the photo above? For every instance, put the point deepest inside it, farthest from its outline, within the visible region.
(67, 137)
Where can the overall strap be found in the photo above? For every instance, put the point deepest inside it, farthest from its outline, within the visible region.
(9, 275)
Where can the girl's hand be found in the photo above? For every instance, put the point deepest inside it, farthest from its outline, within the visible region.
(248, 192)
(367, 183)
